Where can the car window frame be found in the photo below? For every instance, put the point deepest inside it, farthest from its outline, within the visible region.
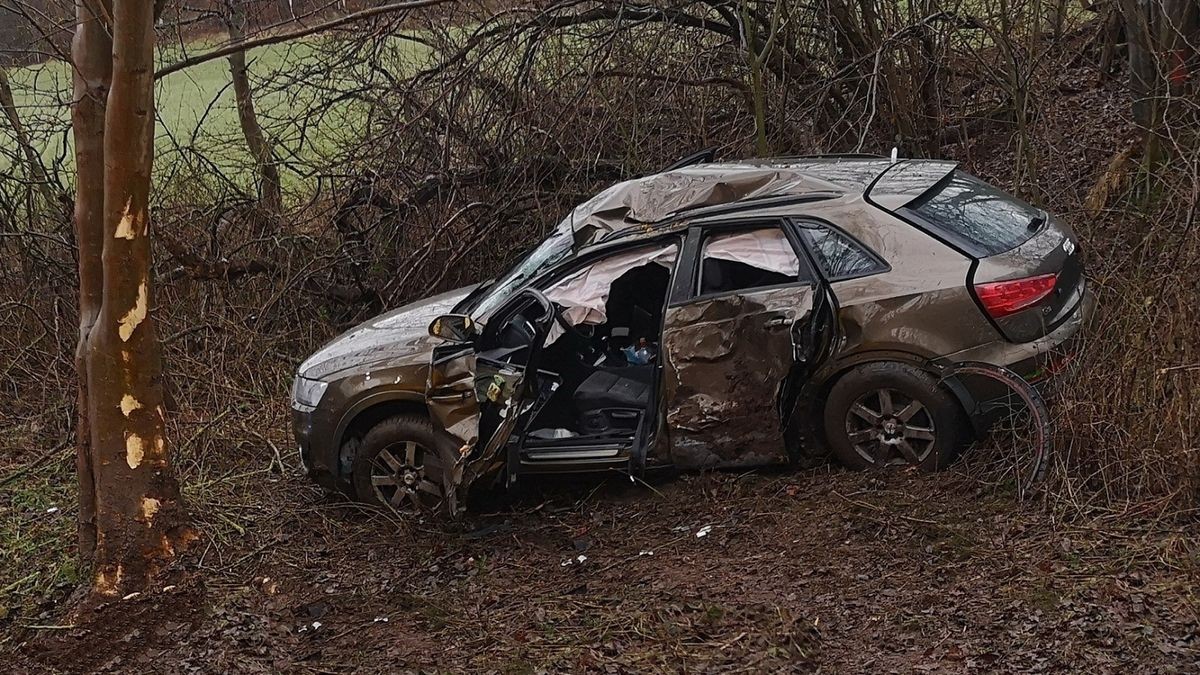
(686, 286)
(882, 266)
(578, 262)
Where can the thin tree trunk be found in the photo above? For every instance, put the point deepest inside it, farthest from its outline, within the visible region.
(34, 170)
(270, 190)
(91, 51)
(139, 514)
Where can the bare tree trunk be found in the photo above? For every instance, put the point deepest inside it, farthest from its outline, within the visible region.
(1113, 27)
(270, 190)
(1159, 52)
(139, 518)
(34, 170)
(91, 51)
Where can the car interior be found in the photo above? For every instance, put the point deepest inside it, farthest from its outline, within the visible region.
(606, 370)
(598, 367)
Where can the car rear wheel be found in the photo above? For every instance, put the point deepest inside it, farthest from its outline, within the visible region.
(892, 414)
(400, 464)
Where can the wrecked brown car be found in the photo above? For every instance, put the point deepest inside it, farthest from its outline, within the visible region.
(712, 315)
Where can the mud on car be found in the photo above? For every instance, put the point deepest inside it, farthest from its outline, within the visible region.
(712, 315)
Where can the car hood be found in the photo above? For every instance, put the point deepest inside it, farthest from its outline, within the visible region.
(399, 337)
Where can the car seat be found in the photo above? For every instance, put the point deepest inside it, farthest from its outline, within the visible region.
(613, 399)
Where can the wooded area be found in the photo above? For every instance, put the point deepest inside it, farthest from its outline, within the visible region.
(194, 196)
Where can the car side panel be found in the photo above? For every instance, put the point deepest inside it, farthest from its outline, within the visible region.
(922, 305)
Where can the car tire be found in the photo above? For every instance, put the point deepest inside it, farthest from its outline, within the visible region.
(399, 465)
(892, 414)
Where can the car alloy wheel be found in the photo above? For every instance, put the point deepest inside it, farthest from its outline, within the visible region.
(886, 427)
(400, 477)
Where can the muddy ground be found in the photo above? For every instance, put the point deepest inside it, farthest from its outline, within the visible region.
(821, 570)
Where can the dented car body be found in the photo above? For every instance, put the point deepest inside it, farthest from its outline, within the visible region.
(707, 316)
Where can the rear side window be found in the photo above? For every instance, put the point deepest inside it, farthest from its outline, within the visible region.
(982, 218)
(747, 259)
(839, 256)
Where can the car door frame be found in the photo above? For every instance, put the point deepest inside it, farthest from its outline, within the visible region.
(812, 343)
(453, 399)
(632, 460)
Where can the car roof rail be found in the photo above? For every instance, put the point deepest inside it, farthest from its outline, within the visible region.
(832, 155)
(705, 156)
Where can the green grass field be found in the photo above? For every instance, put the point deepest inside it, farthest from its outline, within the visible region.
(197, 124)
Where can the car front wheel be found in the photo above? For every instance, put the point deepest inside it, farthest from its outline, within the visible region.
(400, 465)
(892, 414)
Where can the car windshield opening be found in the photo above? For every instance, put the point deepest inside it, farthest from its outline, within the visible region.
(548, 254)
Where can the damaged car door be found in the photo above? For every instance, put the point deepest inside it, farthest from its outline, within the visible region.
(478, 382)
(733, 344)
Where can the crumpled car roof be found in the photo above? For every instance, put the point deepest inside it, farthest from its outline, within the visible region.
(641, 202)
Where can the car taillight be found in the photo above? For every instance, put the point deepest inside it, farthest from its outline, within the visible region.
(1002, 298)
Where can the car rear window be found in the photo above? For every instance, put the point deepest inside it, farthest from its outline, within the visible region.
(983, 218)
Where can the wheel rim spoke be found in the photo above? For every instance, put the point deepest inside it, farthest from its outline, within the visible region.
(429, 487)
(919, 433)
(384, 481)
(390, 460)
(906, 449)
(866, 413)
(410, 454)
(398, 498)
(885, 402)
(910, 410)
(862, 436)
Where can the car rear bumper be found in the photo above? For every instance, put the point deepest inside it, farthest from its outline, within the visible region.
(1041, 358)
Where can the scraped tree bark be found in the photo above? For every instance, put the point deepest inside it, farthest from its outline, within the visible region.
(132, 520)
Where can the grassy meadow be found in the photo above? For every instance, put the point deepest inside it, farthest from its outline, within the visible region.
(197, 125)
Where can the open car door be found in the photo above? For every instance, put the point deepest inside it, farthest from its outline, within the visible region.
(478, 384)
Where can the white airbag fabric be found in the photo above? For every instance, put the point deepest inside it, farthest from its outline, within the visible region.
(766, 249)
(583, 294)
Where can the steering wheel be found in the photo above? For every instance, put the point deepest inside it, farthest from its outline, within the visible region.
(583, 341)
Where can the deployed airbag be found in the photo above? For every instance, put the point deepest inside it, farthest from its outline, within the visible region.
(766, 249)
(584, 294)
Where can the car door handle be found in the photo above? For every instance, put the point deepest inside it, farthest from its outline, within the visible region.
(777, 321)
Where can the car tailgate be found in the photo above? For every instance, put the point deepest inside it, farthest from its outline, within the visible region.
(1052, 250)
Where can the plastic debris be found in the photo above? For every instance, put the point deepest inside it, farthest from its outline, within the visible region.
(703, 532)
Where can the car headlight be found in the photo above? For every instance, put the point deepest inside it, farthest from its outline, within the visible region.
(308, 392)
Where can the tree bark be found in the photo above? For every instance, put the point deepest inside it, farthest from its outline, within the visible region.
(270, 190)
(139, 519)
(91, 51)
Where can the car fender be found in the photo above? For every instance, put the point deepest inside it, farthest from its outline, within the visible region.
(369, 400)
